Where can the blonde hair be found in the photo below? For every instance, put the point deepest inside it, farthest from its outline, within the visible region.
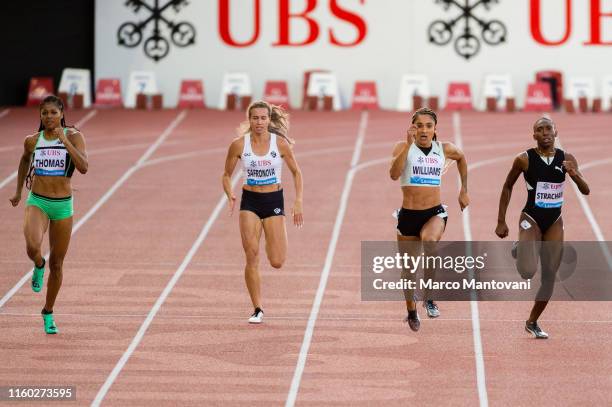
(279, 120)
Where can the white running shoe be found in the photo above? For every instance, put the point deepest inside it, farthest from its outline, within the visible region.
(257, 317)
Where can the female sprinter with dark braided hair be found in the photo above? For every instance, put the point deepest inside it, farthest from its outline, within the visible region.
(419, 162)
(48, 161)
(262, 145)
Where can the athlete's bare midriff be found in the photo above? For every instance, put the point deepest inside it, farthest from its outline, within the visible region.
(52, 186)
(419, 198)
(263, 188)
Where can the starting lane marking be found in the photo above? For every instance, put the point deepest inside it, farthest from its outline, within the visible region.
(467, 231)
(301, 362)
(162, 298)
(77, 124)
(126, 175)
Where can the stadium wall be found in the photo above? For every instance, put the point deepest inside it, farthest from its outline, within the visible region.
(358, 40)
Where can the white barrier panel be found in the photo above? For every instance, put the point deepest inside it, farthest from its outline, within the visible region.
(606, 93)
(578, 87)
(77, 81)
(140, 82)
(325, 84)
(498, 87)
(235, 83)
(412, 85)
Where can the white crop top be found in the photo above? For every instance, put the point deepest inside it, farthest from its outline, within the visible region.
(422, 169)
(261, 170)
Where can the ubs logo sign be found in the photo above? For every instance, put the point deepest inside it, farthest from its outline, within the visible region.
(467, 43)
(156, 47)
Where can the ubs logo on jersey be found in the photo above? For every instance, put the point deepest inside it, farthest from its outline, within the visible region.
(467, 45)
(273, 154)
(50, 153)
(156, 47)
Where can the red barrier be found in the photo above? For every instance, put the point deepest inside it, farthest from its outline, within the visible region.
(276, 92)
(538, 98)
(191, 94)
(40, 88)
(108, 93)
(365, 96)
(459, 96)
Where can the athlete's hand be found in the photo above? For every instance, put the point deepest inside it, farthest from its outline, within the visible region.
(15, 199)
(570, 167)
(59, 133)
(464, 200)
(232, 203)
(296, 211)
(501, 230)
(411, 134)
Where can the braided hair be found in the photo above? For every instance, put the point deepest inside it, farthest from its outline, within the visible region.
(60, 105)
(426, 111)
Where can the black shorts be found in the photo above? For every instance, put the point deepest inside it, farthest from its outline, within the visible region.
(543, 217)
(263, 204)
(411, 221)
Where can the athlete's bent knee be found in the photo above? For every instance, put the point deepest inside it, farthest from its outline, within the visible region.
(277, 263)
(527, 271)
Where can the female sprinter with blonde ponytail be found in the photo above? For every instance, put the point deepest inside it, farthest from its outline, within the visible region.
(262, 145)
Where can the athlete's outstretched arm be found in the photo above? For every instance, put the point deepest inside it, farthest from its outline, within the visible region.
(571, 166)
(400, 152)
(520, 164)
(287, 154)
(233, 154)
(453, 152)
(24, 165)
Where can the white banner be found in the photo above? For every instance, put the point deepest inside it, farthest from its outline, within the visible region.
(140, 82)
(498, 87)
(358, 40)
(410, 86)
(237, 83)
(578, 87)
(77, 81)
(606, 93)
(324, 84)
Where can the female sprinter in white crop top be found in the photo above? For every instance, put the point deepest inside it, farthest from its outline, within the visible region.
(262, 146)
(419, 162)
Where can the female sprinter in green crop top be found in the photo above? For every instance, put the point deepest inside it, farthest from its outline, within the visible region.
(48, 161)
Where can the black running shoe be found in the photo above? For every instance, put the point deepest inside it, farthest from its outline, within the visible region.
(413, 320)
(432, 309)
(535, 330)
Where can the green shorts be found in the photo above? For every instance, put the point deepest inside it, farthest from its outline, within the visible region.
(54, 208)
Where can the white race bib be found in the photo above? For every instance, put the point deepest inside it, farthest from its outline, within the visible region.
(549, 194)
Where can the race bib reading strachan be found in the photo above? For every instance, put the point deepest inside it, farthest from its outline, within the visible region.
(549, 194)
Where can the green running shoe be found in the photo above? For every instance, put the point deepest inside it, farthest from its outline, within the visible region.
(50, 327)
(38, 277)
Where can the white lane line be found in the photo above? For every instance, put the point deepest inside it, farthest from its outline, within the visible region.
(160, 300)
(596, 163)
(314, 312)
(4, 113)
(77, 124)
(467, 231)
(591, 217)
(126, 175)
